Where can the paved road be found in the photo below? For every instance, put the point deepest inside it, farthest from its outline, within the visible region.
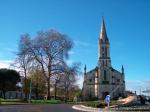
(38, 108)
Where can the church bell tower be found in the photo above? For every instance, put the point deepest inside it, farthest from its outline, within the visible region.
(103, 48)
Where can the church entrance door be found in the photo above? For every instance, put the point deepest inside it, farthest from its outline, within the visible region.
(104, 94)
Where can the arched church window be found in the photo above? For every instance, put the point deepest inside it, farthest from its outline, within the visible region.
(105, 78)
(102, 51)
(90, 93)
(103, 62)
(106, 51)
(90, 80)
(112, 79)
(103, 55)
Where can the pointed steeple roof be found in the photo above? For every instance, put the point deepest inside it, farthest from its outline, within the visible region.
(122, 69)
(85, 69)
(103, 34)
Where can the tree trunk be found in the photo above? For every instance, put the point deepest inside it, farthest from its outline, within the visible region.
(0, 94)
(48, 89)
(37, 93)
(4, 94)
(55, 90)
(65, 96)
(49, 76)
(25, 84)
(4, 89)
(65, 92)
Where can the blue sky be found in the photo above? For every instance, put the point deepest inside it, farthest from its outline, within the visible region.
(127, 24)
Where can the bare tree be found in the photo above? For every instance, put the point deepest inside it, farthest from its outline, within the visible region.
(48, 49)
(70, 77)
(55, 81)
(23, 60)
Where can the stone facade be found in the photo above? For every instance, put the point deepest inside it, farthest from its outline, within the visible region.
(103, 79)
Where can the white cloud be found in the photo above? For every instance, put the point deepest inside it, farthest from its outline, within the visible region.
(69, 62)
(80, 79)
(137, 85)
(85, 44)
(10, 50)
(5, 63)
(71, 52)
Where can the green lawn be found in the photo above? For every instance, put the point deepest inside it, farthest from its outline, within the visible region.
(12, 101)
(19, 101)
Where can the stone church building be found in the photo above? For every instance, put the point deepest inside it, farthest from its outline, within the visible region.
(103, 79)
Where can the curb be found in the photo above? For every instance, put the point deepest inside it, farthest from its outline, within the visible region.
(87, 109)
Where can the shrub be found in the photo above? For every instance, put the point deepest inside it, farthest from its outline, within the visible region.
(98, 104)
(46, 101)
(101, 105)
(95, 104)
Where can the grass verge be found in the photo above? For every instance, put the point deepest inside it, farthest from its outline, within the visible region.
(19, 101)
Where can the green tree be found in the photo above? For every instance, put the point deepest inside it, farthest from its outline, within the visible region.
(8, 80)
(38, 82)
(75, 91)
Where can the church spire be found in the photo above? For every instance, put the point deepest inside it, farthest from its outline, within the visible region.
(85, 70)
(122, 69)
(104, 47)
(103, 34)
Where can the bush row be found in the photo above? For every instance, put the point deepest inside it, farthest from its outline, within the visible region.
(95, 104)
(46, 101)
(98, 104)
